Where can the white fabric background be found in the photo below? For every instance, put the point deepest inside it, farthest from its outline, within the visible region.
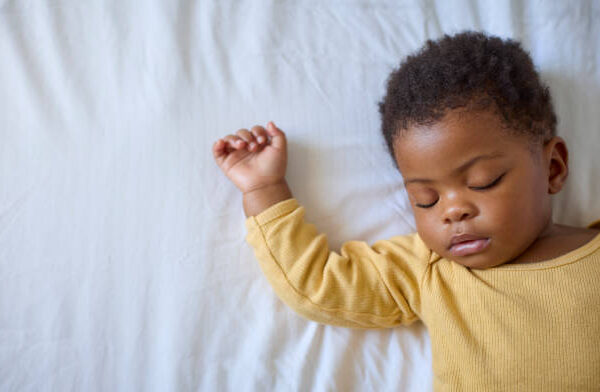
(123, 265)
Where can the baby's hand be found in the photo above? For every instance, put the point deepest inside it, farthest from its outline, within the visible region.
(252, 160)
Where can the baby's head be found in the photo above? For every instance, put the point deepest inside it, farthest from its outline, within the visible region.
(473, 132)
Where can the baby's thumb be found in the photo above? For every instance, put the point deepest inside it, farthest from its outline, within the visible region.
(278, 137)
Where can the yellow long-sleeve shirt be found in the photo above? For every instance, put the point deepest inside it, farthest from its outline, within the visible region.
(525, 327)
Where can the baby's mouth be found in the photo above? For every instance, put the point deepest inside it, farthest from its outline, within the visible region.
(467, 244)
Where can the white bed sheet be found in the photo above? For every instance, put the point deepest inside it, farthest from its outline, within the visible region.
(123, 265)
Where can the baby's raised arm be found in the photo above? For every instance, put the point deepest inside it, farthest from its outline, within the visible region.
(255, 161)
(361, 286)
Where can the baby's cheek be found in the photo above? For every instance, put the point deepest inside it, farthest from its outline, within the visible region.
(429, 231)
(507, 211)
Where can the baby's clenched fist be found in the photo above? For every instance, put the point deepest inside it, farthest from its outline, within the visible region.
(252, 159)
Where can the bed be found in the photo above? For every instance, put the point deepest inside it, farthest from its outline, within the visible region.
(123, 264)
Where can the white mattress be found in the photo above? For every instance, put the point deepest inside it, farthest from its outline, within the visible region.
(123, 264)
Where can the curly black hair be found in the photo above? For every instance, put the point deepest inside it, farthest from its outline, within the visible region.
(467, 70)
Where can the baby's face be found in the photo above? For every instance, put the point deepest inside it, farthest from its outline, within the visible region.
(465, 176)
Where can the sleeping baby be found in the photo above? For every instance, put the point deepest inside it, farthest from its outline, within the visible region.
(510, 299)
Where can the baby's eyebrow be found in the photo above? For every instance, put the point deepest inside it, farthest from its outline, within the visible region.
(471, 162)
(461, 168)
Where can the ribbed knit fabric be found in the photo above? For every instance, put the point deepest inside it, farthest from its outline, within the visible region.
(516, 327)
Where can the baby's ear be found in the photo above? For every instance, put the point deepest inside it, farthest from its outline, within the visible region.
(557, 158)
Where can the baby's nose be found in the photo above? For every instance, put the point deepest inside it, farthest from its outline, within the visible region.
(458, 212)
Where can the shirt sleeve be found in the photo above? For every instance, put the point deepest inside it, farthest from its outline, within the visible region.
(361, 287)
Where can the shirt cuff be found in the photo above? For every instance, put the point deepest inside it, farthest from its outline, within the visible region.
(275, 211)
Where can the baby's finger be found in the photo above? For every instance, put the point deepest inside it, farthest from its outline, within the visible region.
(249, 138)
(260, 134)
(221, 150)
(246, 135)
(218, 148)
(234, 141)
(278, 136)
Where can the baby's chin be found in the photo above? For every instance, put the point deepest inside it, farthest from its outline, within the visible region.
(478, 261)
